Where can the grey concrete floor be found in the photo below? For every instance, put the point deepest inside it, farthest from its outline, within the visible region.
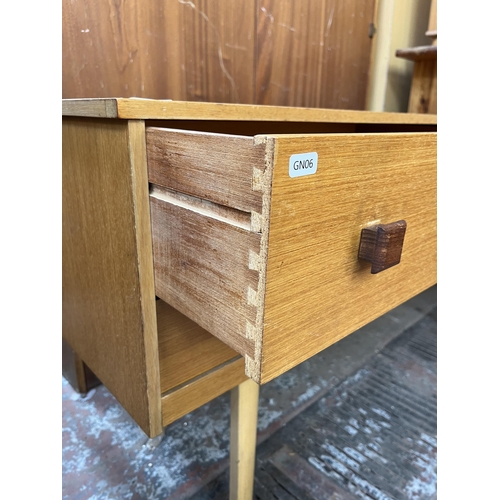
(106, 456)
(373, 436)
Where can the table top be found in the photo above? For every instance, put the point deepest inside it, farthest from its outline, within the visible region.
(151, 109)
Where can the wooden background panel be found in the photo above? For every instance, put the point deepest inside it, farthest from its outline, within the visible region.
(346, 54)
(216, 49)
(111, 48)
(173, 49)
(313, 53)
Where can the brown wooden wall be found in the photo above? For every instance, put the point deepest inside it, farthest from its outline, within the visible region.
(284, 52)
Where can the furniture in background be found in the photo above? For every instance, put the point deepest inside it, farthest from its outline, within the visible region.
(423, 93)
(211, 247)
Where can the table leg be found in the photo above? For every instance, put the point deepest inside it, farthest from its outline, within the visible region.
(244, 409)
(76, 372)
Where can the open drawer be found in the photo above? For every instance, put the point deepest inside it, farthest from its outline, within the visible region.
(161, 199)
(256, 239)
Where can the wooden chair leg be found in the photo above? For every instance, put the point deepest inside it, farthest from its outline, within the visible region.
(76, 372)
(244, 410)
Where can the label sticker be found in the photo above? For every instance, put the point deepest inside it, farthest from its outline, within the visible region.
(303, 164)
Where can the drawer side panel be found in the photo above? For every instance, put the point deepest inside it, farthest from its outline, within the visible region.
(214, 167)
(202, 269)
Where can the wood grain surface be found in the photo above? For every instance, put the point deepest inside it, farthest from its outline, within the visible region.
(108, 312)
(201, 390)
(186, 350)
(244, 417)
(189, 50)
(294, 53)
(214, 50)
(313, 53)
(209, 166)
(153, 109)
(202, 269)
(136, 134)
(74, 370)
(317, 290)
(423, 93)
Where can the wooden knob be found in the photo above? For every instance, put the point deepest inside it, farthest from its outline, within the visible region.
(382, 245)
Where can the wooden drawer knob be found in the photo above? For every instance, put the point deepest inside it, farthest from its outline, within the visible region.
(382, 245)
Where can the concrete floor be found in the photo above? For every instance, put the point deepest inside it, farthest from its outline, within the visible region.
(106, 456)
(371, 437)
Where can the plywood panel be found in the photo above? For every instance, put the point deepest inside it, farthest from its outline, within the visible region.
(216, 44)
(113, 49)
(345, 64)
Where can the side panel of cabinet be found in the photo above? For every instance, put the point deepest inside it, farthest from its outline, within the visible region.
(108, 309)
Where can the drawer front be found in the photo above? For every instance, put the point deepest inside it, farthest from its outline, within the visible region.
(317, 289)
(275, 274)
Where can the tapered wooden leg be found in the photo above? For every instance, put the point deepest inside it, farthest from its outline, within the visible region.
(244, 409)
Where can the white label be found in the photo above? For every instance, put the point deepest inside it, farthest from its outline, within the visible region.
(303, 164)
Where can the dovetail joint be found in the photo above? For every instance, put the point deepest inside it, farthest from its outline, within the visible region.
(256, 222)
(250, 331)
(252, 297)
(254, 261)
(257, 180)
